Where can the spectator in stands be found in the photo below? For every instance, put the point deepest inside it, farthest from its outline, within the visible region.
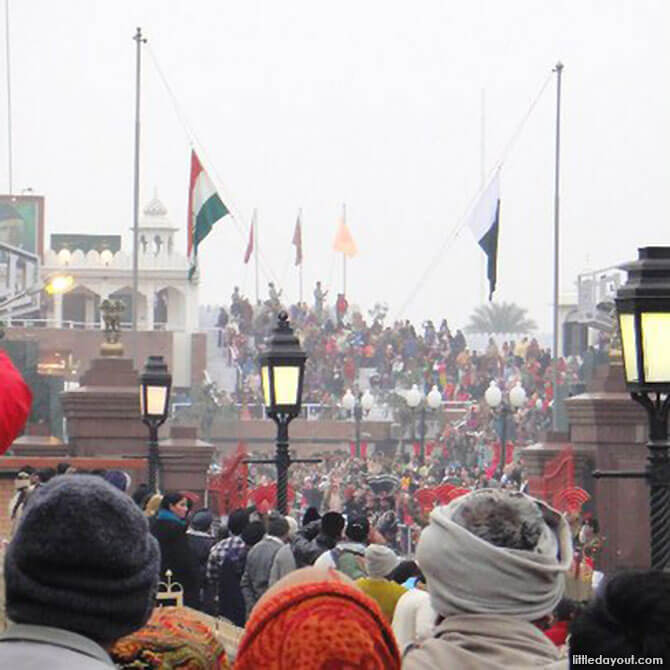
(380, 562)
(315, 619)
(494, 561)
(348, 556)
(80, 573)
(256, 577)
(169, 528)
(628, 617)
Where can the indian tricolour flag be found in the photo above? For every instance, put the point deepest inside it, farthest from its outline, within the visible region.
(205, 208)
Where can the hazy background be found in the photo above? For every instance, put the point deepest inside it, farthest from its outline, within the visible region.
(376, 104)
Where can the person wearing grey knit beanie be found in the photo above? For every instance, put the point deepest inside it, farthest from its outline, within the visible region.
(81, 572)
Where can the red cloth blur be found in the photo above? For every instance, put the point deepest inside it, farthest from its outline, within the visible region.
(15, 402)
(558, 633)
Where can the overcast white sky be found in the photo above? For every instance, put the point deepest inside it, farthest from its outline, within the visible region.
(377, 104)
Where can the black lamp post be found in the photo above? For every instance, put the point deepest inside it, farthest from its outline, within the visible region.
(155, 383)
(643, 305)
(494, 399)
(282, 370)
(414, 398)
(363, 402)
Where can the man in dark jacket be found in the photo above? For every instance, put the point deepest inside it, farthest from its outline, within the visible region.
(200, 541)
(317, 537)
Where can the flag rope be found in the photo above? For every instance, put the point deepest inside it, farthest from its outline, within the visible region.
(233, 210)
(461, 222)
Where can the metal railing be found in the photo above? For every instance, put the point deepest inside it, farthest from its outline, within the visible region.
(74, 325)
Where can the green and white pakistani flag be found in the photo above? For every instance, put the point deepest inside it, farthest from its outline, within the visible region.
(205, 208)
(484, 223)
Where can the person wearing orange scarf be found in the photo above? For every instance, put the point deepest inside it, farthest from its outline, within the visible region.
(316, 619)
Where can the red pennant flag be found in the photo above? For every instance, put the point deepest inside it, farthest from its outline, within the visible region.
(297, 240)
(250, 245)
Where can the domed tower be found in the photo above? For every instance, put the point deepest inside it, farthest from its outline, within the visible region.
(156, 232)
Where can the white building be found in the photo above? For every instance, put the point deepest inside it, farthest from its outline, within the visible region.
(167, 301)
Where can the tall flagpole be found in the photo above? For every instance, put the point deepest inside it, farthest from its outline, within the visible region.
(344, 256)
(482, 180)
(300, 270)
(558, 70)
(9, 101)
(139, 40)
(254, 223)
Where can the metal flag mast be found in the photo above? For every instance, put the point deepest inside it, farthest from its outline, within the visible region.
(482, 184)
(558, 70)
(300, 266)
(254, 228)
(139, 40)
(344, 255)
(9, 102)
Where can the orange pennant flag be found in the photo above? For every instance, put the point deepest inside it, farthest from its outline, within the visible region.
(344, 242)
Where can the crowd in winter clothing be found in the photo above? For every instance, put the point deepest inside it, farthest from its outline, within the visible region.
(342, 344)
(484, 590)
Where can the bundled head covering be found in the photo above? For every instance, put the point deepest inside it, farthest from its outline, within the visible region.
(380, 561)
(174, 637)
(83, 560)
(314, 620)
(469, 575)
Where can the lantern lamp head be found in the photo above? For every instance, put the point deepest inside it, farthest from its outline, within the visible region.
(643, 308)
(282, 369)
(155, 383)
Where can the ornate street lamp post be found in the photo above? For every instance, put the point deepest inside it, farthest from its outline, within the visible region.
(282, 370)
(643, 306)
(155, 383)
(363, 403)
(414, 398)
(494, 399)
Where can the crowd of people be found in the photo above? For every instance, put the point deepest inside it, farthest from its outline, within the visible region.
(342, 343)
(493, 579)
(485, 588)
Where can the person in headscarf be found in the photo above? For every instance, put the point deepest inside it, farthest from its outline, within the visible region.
(174, 637)
(316, 619)
(494, 561)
